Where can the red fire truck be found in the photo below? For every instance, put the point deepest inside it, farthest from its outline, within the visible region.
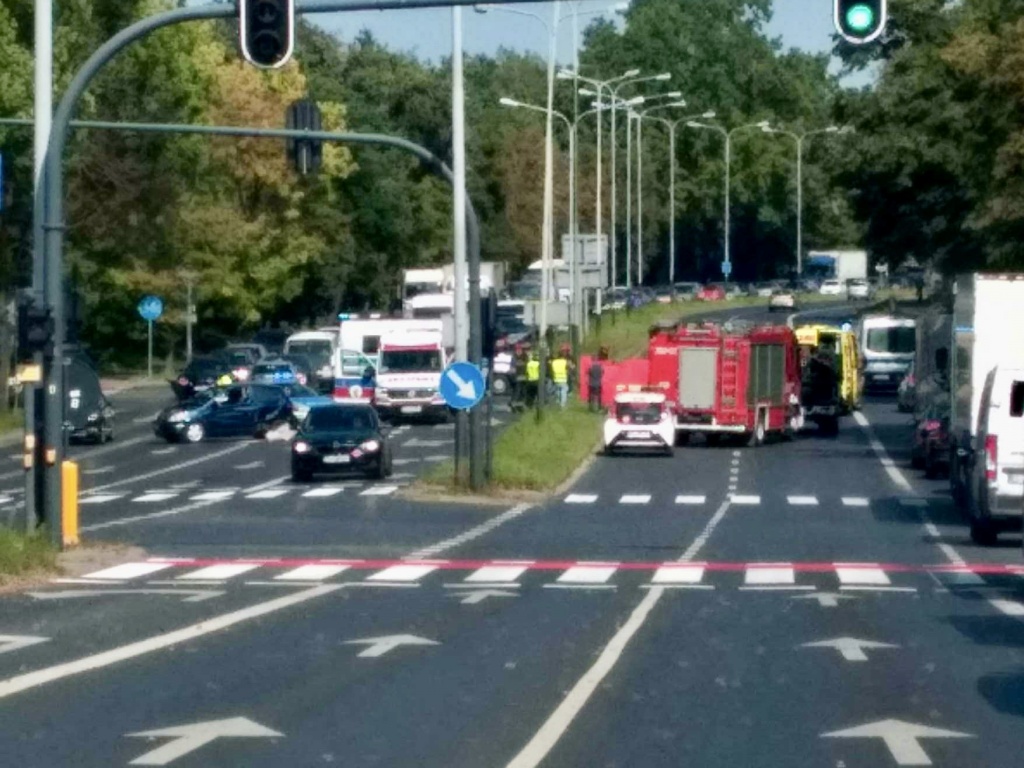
(728, 379)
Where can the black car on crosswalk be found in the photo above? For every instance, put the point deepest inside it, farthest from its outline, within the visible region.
(341, 438)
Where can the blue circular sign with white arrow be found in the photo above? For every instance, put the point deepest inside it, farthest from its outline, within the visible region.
(150, 308)
(462, 385)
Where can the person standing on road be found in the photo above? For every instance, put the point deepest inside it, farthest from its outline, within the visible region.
(532, 379)
(520, 362)
(595, 377)
(560, 376)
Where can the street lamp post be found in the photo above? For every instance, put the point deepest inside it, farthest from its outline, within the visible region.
(671, 125)
(726, 255)
(640, 179)
(798, 138)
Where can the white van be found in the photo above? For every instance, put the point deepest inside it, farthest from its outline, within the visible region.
(320, 347)
(888, 347)
(996, 487)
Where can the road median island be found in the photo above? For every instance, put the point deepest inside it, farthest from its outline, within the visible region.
(531, 458)
(25, 557)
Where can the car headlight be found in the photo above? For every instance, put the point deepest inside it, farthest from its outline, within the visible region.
(300, 446)
(178, 416)
(370, 446)
(300, 411)
(93, 417)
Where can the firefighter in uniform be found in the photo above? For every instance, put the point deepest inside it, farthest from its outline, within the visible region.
(532, 379)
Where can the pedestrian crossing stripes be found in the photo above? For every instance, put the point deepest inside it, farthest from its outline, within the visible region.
(567, 574)
(224, 494)
(741, 500)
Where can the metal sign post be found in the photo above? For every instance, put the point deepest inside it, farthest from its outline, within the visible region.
(150, 309)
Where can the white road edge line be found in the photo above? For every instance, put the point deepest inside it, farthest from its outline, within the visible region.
(545, 739)
(901, 482)
(164, 470)
(24, 682)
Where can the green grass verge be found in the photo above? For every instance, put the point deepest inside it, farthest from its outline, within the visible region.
(536, 456)
(11, 420)
(22, 553)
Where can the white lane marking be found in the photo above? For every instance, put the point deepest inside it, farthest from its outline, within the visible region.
(402, 573)
(695, 500)
(435, 458)
(737, 453)
(494, 574)
(581, 498)
(100, 470)
(903, 484)
(913, 502)
(213, 496)
(802, 501)
(219, 572)
(152, 498)
(164, 451)
(174, 467)
(744, 500)
(379, 490)
(128, 571)
(1009, 607)
(311, 572)
(5, 499)
(403, 462)
(734, 470)
(676, 573)
(322, 493)
(848, 574)
(40, 677)
(855, 501)
(769, 573)
(588, 573)
(635, 498)
(473, 533)
(191, 506)
(269, 493)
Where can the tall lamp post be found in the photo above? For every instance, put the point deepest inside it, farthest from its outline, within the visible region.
(799, 138)
(639, 117)
(726, 253)
(671, 125)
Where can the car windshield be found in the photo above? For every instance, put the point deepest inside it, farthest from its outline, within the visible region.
(900, 340)
(340, 418)
(403, 360)
(317, 350)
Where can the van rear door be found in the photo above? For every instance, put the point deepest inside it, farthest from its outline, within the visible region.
(1006, 420)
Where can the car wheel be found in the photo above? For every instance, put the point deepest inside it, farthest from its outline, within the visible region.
(983, 532)
(682, 438)
(194, 433)
(110, 435)
(379, 472)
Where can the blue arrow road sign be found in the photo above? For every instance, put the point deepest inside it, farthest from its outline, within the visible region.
(462, 385)
(726, 268)
(150, 308)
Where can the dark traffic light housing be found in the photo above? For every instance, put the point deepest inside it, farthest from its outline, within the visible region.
(305, 154)
(860, 21)
(266, 31)
(35, 329)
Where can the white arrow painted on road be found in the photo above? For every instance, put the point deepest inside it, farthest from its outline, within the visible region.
(825, 599)
(381, 645)
(250, 465)
(189, 738)
(10, 643)
(900, 737)
(479, 595)
(466, 388)
(191, 595)
(99, 471)
(851, 648)
(417, 443)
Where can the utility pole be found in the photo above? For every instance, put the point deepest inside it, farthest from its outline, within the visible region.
(459, 226)
(190, 316)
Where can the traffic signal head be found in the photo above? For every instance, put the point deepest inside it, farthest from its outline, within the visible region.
(266, 31)
(305, 154)
(35, 329)
(860, 21)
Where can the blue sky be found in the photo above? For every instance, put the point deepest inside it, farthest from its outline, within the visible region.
(805, 24)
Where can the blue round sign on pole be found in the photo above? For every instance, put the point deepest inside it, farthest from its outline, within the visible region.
(150, 308)
(462, 385)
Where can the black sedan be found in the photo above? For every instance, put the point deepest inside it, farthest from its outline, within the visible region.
(341, 438)
(234, 411)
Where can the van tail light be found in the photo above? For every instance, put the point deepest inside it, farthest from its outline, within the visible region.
(991, 455)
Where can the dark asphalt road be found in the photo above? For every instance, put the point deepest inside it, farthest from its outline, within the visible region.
(714, 609)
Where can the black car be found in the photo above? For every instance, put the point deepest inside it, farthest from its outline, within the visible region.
(234, 411)
(88, 415)
(199, 375)
(303, 365)
(340, 438)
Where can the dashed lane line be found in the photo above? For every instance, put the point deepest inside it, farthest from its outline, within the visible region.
(173, 467)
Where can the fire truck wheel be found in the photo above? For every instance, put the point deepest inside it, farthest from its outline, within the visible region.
(713, 439)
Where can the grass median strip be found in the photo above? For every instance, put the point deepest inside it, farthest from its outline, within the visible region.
(535, 456)
(24, 554)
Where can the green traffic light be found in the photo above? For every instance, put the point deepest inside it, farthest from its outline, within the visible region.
(860, 18)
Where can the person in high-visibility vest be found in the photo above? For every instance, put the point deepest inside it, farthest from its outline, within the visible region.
(532, 379)
(560, 377)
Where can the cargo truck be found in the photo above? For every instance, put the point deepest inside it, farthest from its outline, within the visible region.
(841, 265)
(987, 402)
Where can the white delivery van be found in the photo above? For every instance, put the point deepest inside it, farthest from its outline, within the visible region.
(887, 348)
(996, 488)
